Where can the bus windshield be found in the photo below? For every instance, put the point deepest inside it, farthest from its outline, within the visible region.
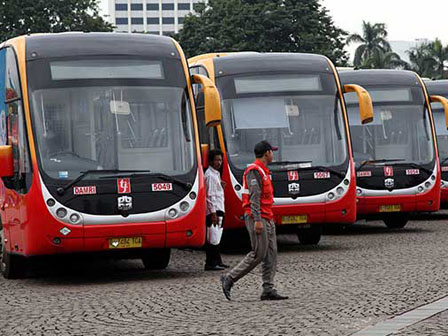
(401, 129)
(441, 131)
(111, 114)
(299, 113)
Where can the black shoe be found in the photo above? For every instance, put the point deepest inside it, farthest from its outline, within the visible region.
(226, 285)
(273, 295)
(224, 265)
(213, 268)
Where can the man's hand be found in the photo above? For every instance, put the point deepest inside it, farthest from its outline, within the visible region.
(259, 227)
(214, 218)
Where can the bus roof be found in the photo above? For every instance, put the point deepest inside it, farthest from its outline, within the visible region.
(252, 62)
(40, 46)
(437, 87)
(380, 77)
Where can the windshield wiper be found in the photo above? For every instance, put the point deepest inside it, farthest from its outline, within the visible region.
(321, 168)
(324, 168)
(444, 160)
(185, 185)
(378, 161)
(284, 163)
(415, 165)
(61, 190)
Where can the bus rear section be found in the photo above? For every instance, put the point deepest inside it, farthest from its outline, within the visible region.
(99, 148)
(396, 155)
(295, 102)
(439, 89)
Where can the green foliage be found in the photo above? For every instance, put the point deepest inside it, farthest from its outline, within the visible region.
(49, 16)
(430, 59)
(262, 25)
(374, 52)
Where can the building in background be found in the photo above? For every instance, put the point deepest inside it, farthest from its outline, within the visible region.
(162, 17)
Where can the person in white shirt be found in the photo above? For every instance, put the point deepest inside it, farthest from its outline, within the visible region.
(215, 207)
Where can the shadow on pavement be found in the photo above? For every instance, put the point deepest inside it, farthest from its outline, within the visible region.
(369, 229)
(85, 270)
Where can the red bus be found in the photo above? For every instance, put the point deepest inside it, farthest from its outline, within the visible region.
(396, 156)
(296, 102)
(440, 88)
(99, 148)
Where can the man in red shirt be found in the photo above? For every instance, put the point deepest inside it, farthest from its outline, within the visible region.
(258, 198)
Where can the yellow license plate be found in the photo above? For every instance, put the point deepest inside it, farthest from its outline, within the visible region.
(390, 208)
(300, 219)
(125, 242)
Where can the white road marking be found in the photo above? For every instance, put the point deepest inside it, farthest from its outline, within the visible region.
(405, 320)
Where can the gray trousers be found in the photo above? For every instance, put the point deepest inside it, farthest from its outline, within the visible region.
(264, 249)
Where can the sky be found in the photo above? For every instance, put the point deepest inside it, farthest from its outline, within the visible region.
(405, 20)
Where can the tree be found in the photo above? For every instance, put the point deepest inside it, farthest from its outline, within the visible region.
(262, 25)
(388, 60)
(373, 42)
(49, 16)
(430, 59)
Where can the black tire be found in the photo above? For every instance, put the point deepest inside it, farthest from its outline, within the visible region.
(157, 259)
(12, 266)
(397, 221)
(310, 236)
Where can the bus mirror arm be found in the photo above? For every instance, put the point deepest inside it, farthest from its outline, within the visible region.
(6, 161)
(365, 102)
(212, 101)
(444, 102)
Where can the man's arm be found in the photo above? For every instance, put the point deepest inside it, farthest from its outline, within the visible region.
(254, 184)
(210, 197)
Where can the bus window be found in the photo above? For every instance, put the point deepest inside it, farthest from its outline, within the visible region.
(401, 128)
(21, 181)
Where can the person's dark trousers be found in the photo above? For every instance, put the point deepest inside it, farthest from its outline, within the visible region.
(213, 256)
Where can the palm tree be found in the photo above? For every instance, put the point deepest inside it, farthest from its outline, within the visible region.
(439, 55)
(421, 61)
(429, 59)
(373, 40)
(388, 60)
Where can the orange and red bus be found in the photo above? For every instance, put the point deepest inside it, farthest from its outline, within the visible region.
(396, 156)
(296, 102)
(440, 88)
(99, 148)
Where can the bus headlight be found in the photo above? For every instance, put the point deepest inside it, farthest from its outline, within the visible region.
(420, 189)
(74, 218)
(427, 184)
(51, 202)
(330, 195)
(340, 190)
(61, 212)
(172, 212)
(433, 177)
(358, 191)
(237, 187)
(346, 182)
(193, 195)
(184, 206)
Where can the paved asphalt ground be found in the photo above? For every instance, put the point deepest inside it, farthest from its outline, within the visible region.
(353, 279)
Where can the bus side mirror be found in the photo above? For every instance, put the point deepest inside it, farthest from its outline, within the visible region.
(204, 155)
(212, 101)
(6, 161)
(444, 102)
(365, 102)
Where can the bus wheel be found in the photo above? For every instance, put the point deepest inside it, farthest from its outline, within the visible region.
(310, 236)
(12, 266)
(157, 259)
(397, 221)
